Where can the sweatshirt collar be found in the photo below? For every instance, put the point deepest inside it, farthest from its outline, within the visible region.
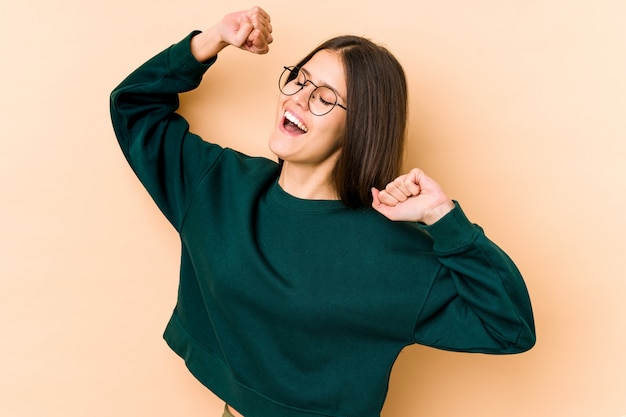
(280, 196)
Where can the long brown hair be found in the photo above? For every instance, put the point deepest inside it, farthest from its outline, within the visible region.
(371, 154)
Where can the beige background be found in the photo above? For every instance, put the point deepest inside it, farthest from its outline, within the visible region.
(518, 108)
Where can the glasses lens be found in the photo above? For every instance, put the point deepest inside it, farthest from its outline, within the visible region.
(291, 81)
(322, 100)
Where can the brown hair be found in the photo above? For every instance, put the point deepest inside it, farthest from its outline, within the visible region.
(371, 153)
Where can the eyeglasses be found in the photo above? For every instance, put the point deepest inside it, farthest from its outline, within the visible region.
(322, 99)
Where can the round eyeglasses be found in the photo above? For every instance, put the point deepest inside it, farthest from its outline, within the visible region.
(322, 99)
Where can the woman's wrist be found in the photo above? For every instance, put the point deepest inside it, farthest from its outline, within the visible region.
(207, 44)
(438, 213)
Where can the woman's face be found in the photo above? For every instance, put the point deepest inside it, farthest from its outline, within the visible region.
(302, 138)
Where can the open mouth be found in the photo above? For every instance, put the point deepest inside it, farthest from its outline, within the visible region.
(293, 124)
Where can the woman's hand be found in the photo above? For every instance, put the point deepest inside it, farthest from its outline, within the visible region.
(412, 197)
(250, 30)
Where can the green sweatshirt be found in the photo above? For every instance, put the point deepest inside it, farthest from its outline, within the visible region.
(298, 308)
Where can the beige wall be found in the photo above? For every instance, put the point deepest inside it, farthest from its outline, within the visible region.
(518, 108)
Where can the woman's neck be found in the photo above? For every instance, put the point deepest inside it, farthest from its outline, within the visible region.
(308, 184)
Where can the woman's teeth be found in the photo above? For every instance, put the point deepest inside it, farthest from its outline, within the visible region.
(296, 122)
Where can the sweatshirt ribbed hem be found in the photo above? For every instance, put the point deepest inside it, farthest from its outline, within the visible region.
(214, 374)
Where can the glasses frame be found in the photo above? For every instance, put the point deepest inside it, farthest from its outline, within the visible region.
(304, 84)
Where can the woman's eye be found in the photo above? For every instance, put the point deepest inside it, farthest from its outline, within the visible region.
(326, 96)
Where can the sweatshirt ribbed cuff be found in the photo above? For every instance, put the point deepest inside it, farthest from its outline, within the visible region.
(453, 231)
(185, 64)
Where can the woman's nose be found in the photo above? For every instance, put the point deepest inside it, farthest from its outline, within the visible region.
(302, 97)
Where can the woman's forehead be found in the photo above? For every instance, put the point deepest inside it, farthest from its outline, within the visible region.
(326, 68)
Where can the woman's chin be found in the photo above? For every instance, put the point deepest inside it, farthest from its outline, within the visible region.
(278, 145)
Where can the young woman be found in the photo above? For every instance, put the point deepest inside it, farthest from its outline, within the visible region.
(301, 280)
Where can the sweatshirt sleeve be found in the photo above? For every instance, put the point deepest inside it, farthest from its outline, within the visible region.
(168, 159)
(478, 302)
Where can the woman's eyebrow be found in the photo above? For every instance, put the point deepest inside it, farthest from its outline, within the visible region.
(323, 84)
